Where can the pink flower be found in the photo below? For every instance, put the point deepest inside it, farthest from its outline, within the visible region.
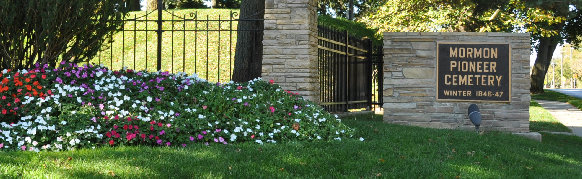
(272, 109)
(239, 87)
(183, 145)
(191, 138)
(168, 125)
(168, 143)
(162, 132)
(200, 137)
(159, 141)
(218, 130)
(215, 140)
(204, 132)
(1, 145)
(220, 139)
(204, 107)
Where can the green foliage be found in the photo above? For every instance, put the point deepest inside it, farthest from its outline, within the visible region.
(439, 16)
(48, 30)
(390, 151)
(184, 4)
(356, 29)
(340, 8)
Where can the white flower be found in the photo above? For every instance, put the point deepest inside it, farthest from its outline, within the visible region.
(293, 131)
(237, 129)
(361, 139)
(297, 120)
(28, 140)
(63, 122)
(318, 137)
(31, 131)
(149, 99)
(34, 143)
(232, 137)
(259, 141)
(59, 139)
(338, 138)
(68, 134)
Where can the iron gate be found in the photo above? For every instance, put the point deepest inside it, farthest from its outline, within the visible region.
(350, 71)
(177, 41)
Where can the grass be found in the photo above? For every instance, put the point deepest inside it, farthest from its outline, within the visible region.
(388, 151)
(556, 96)
(541, 120)
(210, 54)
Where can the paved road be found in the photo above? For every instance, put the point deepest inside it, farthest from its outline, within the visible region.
(570, 92)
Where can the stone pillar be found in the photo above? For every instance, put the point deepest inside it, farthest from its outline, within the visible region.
(290, 46)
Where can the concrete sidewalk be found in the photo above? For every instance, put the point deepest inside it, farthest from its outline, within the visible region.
(567, 114)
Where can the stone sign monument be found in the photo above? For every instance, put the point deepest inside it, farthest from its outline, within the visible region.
(430, 79)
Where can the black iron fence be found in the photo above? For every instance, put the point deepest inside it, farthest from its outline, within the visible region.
(191, 41)
(350, 71)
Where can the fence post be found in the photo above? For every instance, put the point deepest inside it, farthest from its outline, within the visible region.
(370, 48)
(159, 31)
(347, 73)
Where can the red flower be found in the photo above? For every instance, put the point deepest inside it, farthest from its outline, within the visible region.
(28, 87)
(135, 127)
(271, 81)
(108, 134)
(125, 127)
(160, 124)
(43, 77)
(3, 111)
(151, 128)
(33, 76)
(111, 142)
(116, 117)
(143, 136)
(27, 80)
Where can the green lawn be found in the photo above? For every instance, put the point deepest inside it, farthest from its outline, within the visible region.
(555, 96)
(388, 151)
(202, 51)
(541, 120)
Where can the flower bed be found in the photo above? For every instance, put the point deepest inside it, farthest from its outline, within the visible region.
(90, 106)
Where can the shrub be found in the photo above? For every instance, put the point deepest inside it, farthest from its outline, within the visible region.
(48, 30)
(91, 106)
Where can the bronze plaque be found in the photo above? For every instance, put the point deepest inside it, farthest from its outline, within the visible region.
(474, 72)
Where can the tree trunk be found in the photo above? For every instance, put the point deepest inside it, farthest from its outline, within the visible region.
(134, 5)
(152, 4)
(544, 58)
(248, 58)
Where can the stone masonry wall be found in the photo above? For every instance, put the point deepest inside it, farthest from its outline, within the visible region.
(410, 83)
(290, 46)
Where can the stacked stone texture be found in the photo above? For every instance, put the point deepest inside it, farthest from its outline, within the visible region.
(410, 83)
(290, 46)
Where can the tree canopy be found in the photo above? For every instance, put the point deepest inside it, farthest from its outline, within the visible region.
(550, 22)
